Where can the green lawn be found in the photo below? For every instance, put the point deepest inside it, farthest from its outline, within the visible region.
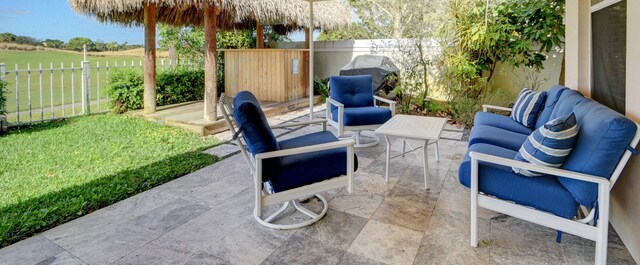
(72, 80)
(58, 171)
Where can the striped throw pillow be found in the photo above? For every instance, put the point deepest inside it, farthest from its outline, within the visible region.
(527, 107)
(549, 145)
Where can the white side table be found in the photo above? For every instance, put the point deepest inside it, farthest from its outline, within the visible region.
(409, 127)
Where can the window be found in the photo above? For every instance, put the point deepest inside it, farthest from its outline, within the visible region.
(608, 58)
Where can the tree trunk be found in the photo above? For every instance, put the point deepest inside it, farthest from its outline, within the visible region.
(210, 63)
(259, 36)
(561, 79)
(150, 58)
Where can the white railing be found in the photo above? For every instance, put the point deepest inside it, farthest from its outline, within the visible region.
(38, 93)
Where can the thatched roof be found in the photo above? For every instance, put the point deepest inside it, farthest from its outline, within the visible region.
(234, 13)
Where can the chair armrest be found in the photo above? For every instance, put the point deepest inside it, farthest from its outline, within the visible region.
(302, 123)
(392, 103)
(537, 168)
(335, 103)
(306, 149)
(388, 101)
(486, 108)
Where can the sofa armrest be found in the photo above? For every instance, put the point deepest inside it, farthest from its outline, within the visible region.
(476, 157)
(302, 123)
(486, 108)
(392, 103)
(335, 103)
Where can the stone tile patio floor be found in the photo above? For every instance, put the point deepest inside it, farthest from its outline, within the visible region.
(206, 218)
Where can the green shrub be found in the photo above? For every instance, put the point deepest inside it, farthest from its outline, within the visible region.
(179, 85)
(3, 97)
(126, 88)
(321, 87)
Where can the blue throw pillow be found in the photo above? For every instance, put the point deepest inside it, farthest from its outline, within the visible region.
(549, 145)
(528, 106)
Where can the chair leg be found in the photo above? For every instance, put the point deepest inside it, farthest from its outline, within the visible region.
(374, 140)
(603, 224)
(474, 202)
(437, 152)
(314, 217)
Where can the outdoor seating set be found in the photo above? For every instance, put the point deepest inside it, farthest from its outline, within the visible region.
(557, 153)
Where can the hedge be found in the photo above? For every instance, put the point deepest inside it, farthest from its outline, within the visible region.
(126, 88)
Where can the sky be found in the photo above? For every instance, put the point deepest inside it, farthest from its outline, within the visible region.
(54, 19)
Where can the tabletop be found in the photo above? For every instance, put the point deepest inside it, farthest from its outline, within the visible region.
(413, 127)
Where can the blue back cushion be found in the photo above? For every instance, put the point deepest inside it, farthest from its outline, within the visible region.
(604, 135)
(549, 145)
(566, 103)
(553, 94)
(527, 107)
(352, 91)
(253, 124)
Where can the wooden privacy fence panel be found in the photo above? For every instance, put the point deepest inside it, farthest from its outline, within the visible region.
(278, 75)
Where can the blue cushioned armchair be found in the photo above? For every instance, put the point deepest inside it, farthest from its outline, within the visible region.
(289, 170)
(351, 106)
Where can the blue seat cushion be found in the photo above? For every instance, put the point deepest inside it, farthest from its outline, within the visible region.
(495, 136)
(553, 94)
(527, 107)
(352, 91)
(604, 135)
(500, 121)
(304, 169)
(544, 193)
(363, 116)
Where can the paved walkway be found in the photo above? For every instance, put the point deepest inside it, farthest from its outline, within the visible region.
(206, 218)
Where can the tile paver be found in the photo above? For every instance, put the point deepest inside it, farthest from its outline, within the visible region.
(206, 217)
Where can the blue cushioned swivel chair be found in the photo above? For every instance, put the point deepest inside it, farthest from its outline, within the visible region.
(351, 106)
(289, 170)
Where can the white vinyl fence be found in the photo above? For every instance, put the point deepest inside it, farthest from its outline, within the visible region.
(38, 92)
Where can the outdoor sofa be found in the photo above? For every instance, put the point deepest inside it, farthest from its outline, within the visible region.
(604, 143)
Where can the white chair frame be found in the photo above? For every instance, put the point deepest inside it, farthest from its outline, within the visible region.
(579, 227)
(339, 125)
(263, 194)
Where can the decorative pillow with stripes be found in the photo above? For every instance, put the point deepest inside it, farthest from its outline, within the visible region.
(549, 145)
(527, 107)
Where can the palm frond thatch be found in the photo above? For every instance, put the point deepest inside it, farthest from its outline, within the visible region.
(233, 13)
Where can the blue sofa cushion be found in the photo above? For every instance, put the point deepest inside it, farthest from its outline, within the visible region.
(352, 91)
(363, 116)
(549, 145)
(604, 135)
(495, 136)
(544, 193)
(566, 103)
(304, 169)
(500, 121)
(553, 94)
(527, 107)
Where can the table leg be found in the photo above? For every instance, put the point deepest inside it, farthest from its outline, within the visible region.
(437, 153)
(386, 173)
(425, 163)
(404, 144)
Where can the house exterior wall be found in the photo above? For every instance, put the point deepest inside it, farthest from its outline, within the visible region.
(625, 201)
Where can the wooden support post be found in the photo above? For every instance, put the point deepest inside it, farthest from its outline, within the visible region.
(150, 58)
(306, 38)
(259, 36)
(210, 63)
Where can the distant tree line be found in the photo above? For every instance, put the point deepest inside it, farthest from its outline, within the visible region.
(74, 44)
